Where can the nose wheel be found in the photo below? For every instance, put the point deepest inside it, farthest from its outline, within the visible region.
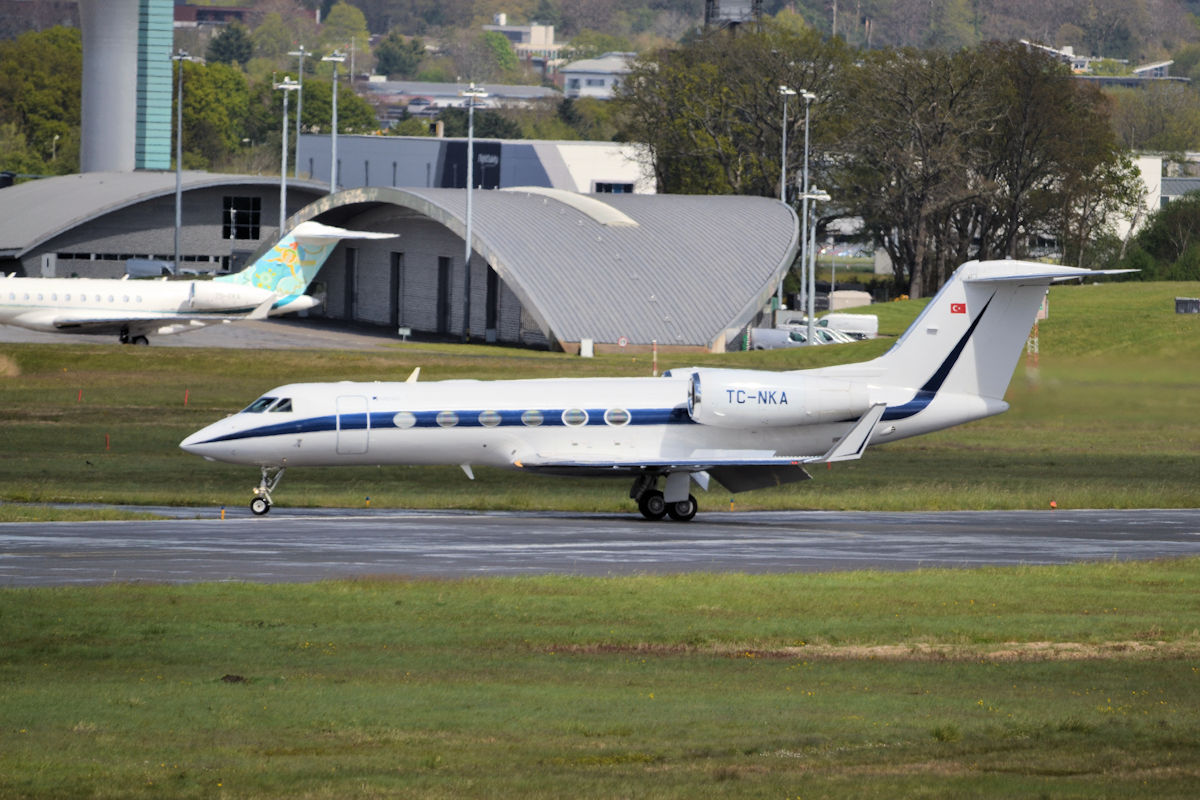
(261, 503)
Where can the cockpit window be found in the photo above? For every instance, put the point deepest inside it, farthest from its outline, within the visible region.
(285, 404)
(259, 405)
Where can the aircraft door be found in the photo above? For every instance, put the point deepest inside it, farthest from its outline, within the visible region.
(353, 425)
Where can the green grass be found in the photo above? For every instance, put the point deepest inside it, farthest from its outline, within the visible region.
(936, 683)
(1106, 420)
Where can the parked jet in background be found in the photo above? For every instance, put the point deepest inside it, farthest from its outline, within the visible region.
(746, 429)
(133, 310)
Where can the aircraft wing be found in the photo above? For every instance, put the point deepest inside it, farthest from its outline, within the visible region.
(736, 470)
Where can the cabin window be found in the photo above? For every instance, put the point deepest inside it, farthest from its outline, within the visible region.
(404, 419)
(489, 419)
(616, 416)
(259, 405)
(447, 419)
(533, 418)
(574, 417)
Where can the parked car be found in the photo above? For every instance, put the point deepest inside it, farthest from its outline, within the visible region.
(793, 336)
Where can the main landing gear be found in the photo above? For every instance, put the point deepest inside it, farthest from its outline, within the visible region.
(653, 504)
(261, 503)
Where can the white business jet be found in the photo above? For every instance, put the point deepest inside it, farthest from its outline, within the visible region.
(133, 310)
(745, 429)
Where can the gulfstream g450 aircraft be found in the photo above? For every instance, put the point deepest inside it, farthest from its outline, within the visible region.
(745, 429)
(272, 285)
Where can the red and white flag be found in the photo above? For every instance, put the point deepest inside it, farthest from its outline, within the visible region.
(958, 308)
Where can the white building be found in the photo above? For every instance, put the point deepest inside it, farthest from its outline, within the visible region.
(596, 77)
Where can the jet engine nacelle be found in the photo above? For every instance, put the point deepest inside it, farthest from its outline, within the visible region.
(218, 296)
(754, 399)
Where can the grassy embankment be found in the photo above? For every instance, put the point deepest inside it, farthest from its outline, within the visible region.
(1109, 421)
(1075, 681)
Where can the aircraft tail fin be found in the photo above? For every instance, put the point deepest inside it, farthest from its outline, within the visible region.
(290, 266)
(969, 338)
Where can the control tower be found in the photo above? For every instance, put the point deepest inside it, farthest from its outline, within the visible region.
(126, 103)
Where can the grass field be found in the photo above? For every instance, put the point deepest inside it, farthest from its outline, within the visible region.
(1108, 420)
(1076, 681)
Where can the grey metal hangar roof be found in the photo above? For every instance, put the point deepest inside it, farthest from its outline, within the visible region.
(36, 211)
(679, 270)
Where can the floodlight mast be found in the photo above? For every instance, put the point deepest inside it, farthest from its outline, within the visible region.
(335, 58)
(287, 85)
(472, 94)
(301, 52)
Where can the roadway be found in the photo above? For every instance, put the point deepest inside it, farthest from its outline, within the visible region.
(296, 545)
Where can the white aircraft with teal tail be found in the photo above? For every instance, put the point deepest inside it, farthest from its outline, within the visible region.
(134, 310)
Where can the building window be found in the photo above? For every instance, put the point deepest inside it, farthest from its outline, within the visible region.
(595, 81)
(614, 188)
(241, 217)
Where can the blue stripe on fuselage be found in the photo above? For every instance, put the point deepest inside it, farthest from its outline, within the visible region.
(468, 418)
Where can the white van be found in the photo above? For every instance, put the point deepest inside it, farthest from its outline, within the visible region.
(860, 326)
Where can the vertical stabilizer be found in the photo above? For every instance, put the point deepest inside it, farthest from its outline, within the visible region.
(290, 266)
(970, 336)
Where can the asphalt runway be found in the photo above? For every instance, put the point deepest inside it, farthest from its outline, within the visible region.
(297, 545)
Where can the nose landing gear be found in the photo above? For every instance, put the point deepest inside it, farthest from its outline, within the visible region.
(261, 503)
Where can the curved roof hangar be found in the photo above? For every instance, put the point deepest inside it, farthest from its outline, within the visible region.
(681, 270)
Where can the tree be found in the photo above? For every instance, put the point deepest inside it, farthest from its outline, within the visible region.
(1168, 246)
(399, 56)
(713, 124)
(232, 45)
(906, 163)
(215, 99)
(344, 28)
(272, 38)
(488, 124)
(40, 76)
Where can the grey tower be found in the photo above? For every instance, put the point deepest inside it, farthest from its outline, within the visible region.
(126, 104)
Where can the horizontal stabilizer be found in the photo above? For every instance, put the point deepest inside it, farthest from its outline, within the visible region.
(314, 231)
(852, 445)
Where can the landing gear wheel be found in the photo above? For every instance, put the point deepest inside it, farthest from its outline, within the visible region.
(682, 511)
(652, 505)
(260, 506)
(142, 340)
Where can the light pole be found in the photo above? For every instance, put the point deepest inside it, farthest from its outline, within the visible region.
(179, 57)
(804, 198)
(472, 94)
(299, 97)
(288, 85)
(54, 147)
(816, 196)
(786, 93)
(336, 58)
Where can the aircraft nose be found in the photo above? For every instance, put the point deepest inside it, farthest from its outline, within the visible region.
(198, 443)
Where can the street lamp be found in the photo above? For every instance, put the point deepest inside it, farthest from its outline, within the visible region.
(336, 58)
(54, 147)
(786, 92)
(288, 85)
(816, 196)
(299, 97)
(806, 286)
(179, 57)
(472, 94)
